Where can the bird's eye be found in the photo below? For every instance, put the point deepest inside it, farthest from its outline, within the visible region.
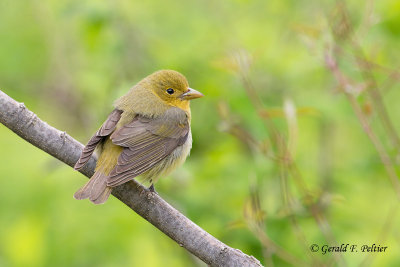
(170, 91)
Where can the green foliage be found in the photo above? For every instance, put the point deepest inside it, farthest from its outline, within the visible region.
(269, 178)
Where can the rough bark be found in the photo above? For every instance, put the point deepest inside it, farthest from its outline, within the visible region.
(149, 205)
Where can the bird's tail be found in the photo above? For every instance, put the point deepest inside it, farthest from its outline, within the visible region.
(95, 189)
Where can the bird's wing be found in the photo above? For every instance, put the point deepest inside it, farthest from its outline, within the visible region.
(106, 129)
(146, 142)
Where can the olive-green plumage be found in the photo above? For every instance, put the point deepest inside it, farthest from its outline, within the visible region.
(146, 136)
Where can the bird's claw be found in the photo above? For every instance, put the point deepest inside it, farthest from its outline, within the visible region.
(152, 189)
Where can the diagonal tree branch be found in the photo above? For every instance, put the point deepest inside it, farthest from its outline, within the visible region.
(150, 206)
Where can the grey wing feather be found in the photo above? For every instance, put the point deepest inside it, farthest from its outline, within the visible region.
(147, 142)
(106, 129)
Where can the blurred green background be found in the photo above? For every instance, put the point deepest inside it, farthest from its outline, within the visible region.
(279, 162)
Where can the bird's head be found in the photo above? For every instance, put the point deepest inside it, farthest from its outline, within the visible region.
(158, 92)
(172, 88)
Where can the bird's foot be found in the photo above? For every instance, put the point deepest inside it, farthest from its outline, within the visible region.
(152, 189)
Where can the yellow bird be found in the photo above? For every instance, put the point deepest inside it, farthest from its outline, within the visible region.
(147, 135)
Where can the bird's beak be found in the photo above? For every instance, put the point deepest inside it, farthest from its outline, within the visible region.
(191, 94)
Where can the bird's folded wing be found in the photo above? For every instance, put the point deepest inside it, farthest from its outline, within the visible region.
(106, 129)
(146, 142)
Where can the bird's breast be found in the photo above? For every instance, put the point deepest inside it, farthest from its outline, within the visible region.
(180, 153)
